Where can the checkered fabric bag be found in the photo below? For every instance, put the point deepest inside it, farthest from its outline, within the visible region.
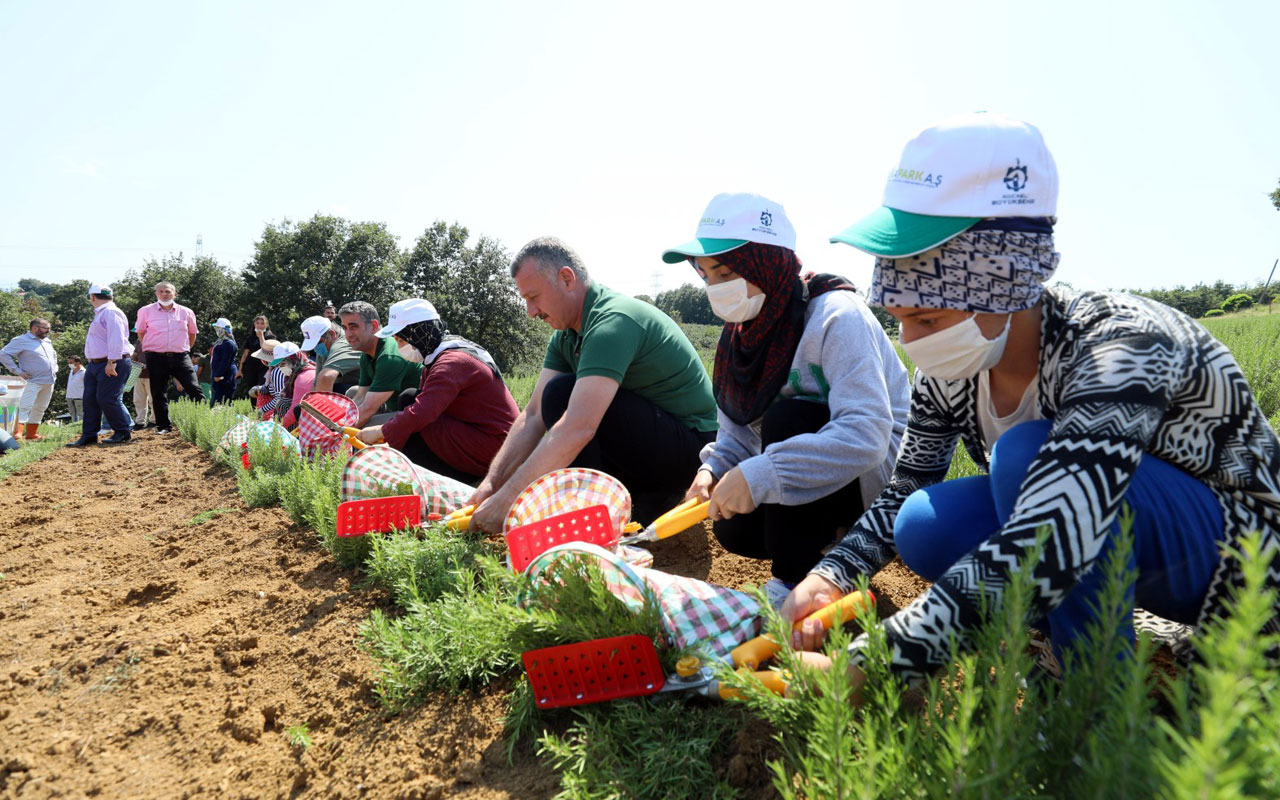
(236, 435)
(695, 613)
(315, 438)
(372, 471)
(567, 490)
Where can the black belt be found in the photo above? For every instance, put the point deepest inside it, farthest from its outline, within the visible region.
(101, 360)
(158, 353)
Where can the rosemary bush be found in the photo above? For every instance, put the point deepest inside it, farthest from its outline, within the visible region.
(271, 461)
(422, 568)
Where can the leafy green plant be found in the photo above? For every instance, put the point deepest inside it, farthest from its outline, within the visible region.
(421, 568)
(1215, 312)
(206, 516)
(271, 461)
(1237, 302)
(299, 736)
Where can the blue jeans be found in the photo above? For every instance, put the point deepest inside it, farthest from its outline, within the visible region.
(1176, 532)
(102, 395)
(221, 391)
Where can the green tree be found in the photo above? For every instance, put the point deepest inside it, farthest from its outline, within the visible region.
(472, 289)
(687, 304)
(210, 289)
(1275, 198)
(297, 266)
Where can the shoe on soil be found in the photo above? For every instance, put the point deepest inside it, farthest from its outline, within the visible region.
(82, 443)
(163, 431)
(119, 439)
(777, 590)
(138, 426)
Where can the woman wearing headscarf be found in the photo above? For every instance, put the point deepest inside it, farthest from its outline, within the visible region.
(290, 379)
(1077, 405)
(812, 398)
(223, 378)
(463, 410)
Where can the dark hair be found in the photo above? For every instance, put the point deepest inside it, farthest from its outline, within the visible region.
(366, 311)
(76, 359)
(33, 322)
(549, 254)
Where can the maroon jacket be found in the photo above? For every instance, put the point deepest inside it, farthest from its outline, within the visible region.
(463, 412)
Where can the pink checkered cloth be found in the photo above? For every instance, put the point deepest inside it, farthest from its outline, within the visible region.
(372, 471)
(315, 438)
(570, 490)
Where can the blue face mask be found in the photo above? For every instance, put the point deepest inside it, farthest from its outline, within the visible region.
(322, 350)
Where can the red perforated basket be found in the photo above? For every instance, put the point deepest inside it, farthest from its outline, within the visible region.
(594, 671)
(358, 517)
(592, 524)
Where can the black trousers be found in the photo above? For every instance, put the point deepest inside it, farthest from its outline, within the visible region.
(162, 367)
(654, 454)
(419, 453)
(792, 537)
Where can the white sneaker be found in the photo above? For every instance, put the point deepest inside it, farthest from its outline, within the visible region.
(777, 590)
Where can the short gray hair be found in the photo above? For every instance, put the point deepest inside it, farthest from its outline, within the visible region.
(366, 311)
(172, 288)
(550, 254)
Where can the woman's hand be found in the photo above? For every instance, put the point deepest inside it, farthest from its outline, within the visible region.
(731, 496)
(703, 483)
(372, 435)
(811, 594)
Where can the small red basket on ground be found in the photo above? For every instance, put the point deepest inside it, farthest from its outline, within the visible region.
(593, 524)
(594, 671)
(358, 517)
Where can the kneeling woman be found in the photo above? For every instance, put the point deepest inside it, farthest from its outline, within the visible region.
(812, 398)
(462, 411)
(1076, 404)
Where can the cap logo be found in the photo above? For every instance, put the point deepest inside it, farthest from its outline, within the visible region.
(915, 177)
(1016, 176)
(717, 221)
(766, 219)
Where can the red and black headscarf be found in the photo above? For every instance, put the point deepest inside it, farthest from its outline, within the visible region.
(754, 357)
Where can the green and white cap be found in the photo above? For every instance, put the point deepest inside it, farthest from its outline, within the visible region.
(282, 351)
(732, 220)
(951, 176)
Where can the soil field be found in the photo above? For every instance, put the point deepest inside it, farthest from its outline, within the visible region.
(148, 649)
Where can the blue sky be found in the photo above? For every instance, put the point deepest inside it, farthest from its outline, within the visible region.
(130, 128)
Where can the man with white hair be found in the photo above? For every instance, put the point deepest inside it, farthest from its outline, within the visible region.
(31, 357)
(166, 333)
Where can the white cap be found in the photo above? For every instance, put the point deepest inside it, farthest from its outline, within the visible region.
(282, 351)
(732, 220)
(222, 322)
(407, 312)
(951, 176)
(100, 288)
(312, 329)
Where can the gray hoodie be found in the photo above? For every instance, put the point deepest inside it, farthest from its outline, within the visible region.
(846, 361)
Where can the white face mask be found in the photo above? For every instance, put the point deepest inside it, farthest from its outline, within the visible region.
(958, 352)
(285, 368)
(410, 353)
(730, 303)
(166, 303)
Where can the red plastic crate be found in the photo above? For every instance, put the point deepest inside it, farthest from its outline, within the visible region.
(593, 671)
(591, 524)
(358, 517)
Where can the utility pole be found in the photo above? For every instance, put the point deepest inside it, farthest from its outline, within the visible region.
(199, 246)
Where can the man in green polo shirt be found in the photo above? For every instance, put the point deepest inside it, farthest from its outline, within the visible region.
(621, 390)
(384, 373)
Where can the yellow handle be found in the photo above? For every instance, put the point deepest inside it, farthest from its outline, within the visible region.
(350, 434)
(773, 681)
(680, 518)
(459, 520)
(762, 648)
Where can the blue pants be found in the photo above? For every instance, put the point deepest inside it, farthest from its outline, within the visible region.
(221, 391)
(1176, 532)
(102, 395)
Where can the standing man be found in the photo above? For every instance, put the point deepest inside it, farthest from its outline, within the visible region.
(75, 388)
(106, 345)
(621, 390)
(384, 373)
(31, 357)
(166, 333)
(337, 365)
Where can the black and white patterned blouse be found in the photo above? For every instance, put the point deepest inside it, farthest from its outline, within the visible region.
(1119, 376)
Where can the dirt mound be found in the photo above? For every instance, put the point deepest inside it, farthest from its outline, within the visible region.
(152, 650)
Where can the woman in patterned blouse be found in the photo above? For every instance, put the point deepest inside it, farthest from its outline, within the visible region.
(1077, 405)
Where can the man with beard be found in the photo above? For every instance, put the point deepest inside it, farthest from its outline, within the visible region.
(31, 357)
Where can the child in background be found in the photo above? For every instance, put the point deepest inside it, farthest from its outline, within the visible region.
(75, 388)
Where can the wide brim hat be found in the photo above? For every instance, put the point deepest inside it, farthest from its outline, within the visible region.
(264, 352)
(730, 221)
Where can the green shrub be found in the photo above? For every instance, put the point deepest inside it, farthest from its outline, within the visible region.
(311, 493)
(1214, 312)
(421, 569)
(1237, 302)
(270, 464)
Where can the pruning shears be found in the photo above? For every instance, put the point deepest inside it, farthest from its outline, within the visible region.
(678, 519)
(460, 520)
(350, 434)
(692, 676)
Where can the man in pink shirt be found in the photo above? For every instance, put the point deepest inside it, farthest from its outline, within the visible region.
(166, 333)
(106, 348)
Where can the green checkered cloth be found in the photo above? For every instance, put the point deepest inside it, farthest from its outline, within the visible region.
(372, 471)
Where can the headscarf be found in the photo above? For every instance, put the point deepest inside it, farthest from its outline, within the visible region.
(754, 357)
(997, 266)
(430, 338)
(224, 333)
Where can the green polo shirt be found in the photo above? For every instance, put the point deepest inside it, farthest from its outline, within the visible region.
(642, 349)
(388, 371)
(341, 359)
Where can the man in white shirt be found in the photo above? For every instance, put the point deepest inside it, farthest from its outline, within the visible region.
(31, 357)
(75, 387)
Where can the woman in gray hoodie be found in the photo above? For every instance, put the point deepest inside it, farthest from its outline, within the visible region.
(812, 397)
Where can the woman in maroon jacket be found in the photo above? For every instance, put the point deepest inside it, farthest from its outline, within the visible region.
(463, 410)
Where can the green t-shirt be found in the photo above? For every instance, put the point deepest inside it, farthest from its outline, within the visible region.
(642, 349)
(342, 359)
(389, 372)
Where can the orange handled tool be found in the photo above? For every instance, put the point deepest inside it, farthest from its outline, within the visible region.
(691, 675)
(680, 518)
(350, 434)
(460, 520)
(762, 648)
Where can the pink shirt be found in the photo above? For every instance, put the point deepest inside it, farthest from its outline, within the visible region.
(164, 330)
(108, 334)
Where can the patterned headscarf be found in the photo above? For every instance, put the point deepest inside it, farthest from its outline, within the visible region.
(990, 270)
(426, 336)
(754, 357)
